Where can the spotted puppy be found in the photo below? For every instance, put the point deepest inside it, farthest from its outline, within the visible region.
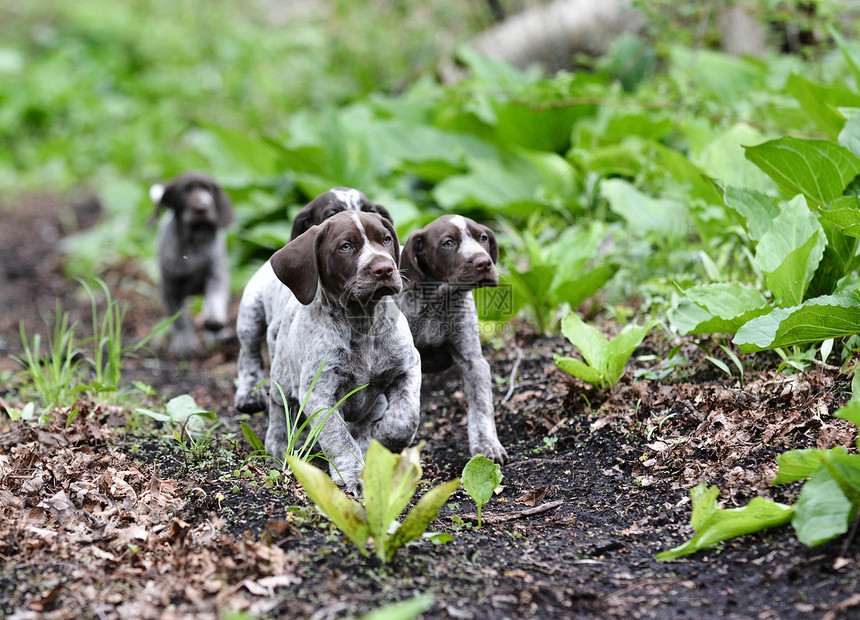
(192, 255)
(264, 293)
(341, 317)
(443, 262)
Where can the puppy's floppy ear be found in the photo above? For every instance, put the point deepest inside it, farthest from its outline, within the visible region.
(378, 208)
(494, 247)
(165, 197)
(295, 264)
(303, 221)
(226, 216)
(410, 260)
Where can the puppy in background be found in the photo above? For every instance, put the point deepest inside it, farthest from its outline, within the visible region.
(443, 263)
(192, 255)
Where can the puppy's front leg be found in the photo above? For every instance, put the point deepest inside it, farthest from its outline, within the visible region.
(183, 341)
(216, 295)
(337, 444)
(396, 429)
(478, 386)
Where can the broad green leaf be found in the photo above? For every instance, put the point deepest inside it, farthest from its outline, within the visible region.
(726, 77)
(579, 369)
(621, 348)
(822, 102)
(850, 412)
(494, 184)
(836, 262)
(726, 300)
(644, 213)
(593, 344)
(247, 149)
(574, 291)
(421, 515)
(713, 524)
(389, 484)
(845, 468)
(480, 476)
(799, 464)
(685, 172)
(818, 169)
(756, 208)
(822, 511)
(346, 514)
(502, 302)
(849, 137)
(844, 212)
(830, 316)
(723, 159)
(183, 407)
(790, 250)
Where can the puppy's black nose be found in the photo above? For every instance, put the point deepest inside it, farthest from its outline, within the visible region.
(382, 270)
(483, 263)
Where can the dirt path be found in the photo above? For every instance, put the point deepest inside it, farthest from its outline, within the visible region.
(149, 530)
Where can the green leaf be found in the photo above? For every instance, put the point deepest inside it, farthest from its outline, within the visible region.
(421, 515)
(621, 348)
(756, 208)
(727, 300)
(790, 251)
(580, 370)
(822, 103)
(480, 477)
(829, 316)
(822, 511)
(798, 464)
(844, 212)
(850, 412)
(818, 169)
(251, 438)
(593, 344)
(576, 290)
(713, 524)
(723, 159)
(346, 514)
(389, 484)
(644, 213)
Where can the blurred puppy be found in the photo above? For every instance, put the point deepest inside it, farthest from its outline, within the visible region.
(192, 255)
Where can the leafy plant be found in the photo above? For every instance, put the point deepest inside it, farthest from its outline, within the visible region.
(186, 418)
(481, 476)
(827, 505)
(390, 481)
(604, 359)
(54, 374)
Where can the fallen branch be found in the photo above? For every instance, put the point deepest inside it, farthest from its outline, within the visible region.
(512, 380)
(502, 517)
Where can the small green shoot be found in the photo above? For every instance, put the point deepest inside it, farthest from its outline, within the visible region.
(604, 359)
(390, 481)
(186, 418)
(481, 476)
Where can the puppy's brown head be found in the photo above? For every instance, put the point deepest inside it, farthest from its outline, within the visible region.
(197, 201)
(334, 201)
(352, 255)
(451, 249)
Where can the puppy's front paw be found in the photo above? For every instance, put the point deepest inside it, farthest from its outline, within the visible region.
(182, 345)
(492, 449)
(249, 401)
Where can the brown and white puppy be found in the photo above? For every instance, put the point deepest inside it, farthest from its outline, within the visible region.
(264, 293)
(443, 263)
(341, 317)
(192, 255)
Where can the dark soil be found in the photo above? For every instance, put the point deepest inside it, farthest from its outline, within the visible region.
(173, 533)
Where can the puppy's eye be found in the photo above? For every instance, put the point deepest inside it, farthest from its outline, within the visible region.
(386, 240)
(485, 237)
(448, 243)
(346, 246)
